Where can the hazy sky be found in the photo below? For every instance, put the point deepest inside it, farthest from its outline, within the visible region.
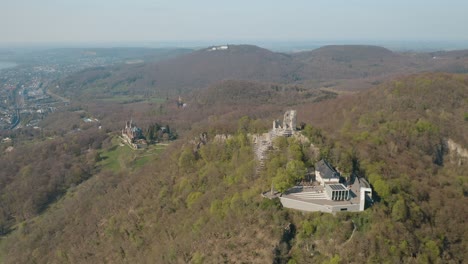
(67, 21)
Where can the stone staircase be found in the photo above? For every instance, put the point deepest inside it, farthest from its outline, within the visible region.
(263, 145)
(310, 195)
(287, 133)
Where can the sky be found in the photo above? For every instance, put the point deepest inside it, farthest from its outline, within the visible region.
(139, 21)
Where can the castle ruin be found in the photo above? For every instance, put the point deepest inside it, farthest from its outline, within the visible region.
(264, 142)
(289, 124)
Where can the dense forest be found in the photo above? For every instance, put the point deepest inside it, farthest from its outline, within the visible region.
(34, 176)
(81, 197)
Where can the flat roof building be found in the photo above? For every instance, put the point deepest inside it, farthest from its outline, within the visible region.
(337, 192)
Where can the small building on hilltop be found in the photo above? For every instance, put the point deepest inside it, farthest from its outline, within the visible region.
(133, 136)
(325, 173)
(329, 192)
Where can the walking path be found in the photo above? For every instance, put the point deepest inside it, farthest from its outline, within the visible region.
(352, 234)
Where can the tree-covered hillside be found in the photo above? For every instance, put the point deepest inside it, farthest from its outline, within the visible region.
(327, 66)
(190, 204)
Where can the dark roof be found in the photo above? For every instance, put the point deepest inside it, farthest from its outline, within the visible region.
(363, 183)
(326, 170)
(337, 187)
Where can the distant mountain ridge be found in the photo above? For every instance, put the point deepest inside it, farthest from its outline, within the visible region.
(206, 66)
(209, 65)
(347, 53)
(348, 62)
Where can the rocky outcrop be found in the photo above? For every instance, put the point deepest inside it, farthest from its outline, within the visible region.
(457, 153)
(262, 144)
(221, 138)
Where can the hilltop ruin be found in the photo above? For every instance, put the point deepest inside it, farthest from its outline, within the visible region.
(264, 142)
(326, 190)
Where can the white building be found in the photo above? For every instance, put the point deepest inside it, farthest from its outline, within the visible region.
(325, 173)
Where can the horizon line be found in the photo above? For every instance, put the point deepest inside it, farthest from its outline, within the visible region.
(273, 44)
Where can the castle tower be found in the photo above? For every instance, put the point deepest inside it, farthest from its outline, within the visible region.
(180, 102)
(289, 121)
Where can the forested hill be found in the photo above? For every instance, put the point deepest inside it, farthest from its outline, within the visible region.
(327, 66)
(204, 206)
(407, 138)
(351, 62)
(436, 98)
(191, 71)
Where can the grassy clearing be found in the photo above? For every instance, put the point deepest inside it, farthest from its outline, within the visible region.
(116, 157)
(121, 157)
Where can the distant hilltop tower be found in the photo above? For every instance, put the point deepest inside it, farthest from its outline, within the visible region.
(180, 102)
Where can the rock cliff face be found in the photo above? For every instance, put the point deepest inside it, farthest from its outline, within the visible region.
(457, 153)
(221, 138)
(262, 144)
